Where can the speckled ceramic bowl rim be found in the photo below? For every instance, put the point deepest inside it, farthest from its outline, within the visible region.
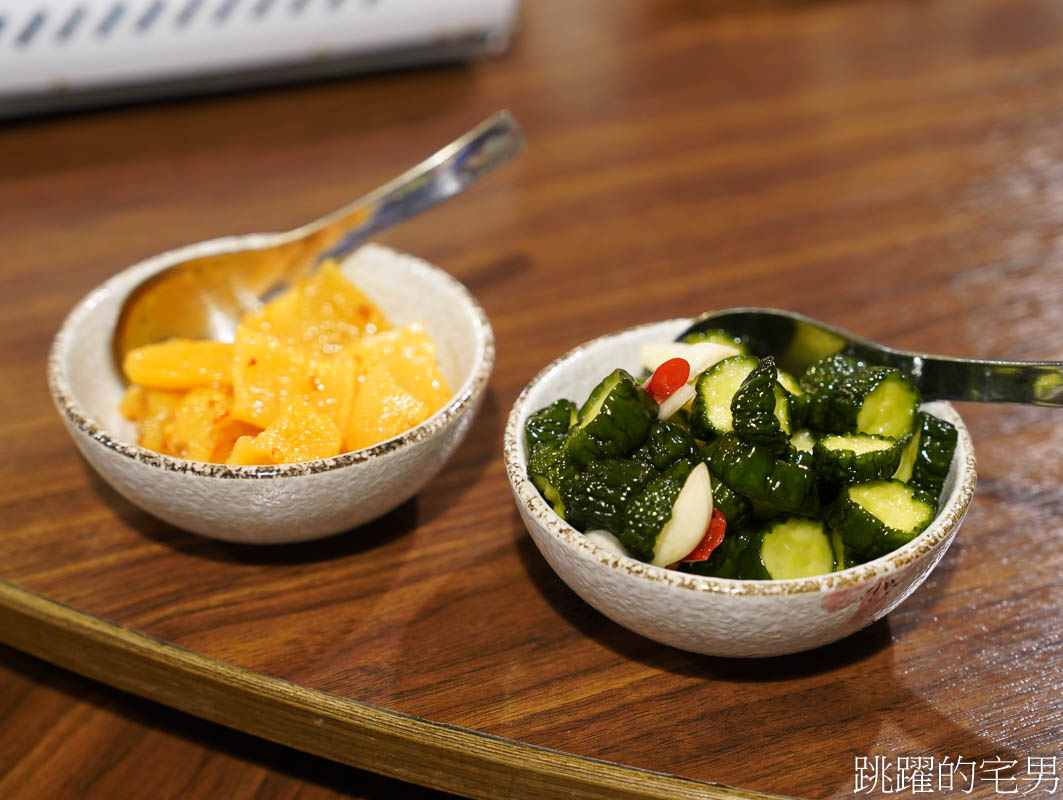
(122, 282)
(950, 515)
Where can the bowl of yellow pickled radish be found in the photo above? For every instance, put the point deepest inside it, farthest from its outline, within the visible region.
(336, 401)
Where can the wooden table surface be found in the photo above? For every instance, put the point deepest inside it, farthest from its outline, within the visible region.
(895, 168)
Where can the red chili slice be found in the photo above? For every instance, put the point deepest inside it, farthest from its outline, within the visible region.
(668, 377)
(712, 538)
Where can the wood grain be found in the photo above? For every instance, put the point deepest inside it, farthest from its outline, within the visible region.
(67, 737)
(893, 168)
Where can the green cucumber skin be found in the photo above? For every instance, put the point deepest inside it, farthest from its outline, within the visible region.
(866, 535)
(598, 496)
(745, 468)
(681, 419)
(839, 466)
(753, 408)
(650, 509)
(724, 561)
(552, 470)
(933, 458)
(621, 423)
(665, 444)
(787, 482)
(837, 388)
(844, 557)
(549, 424)
(821, 382)
(766, 512)
(795, 469)
(701, 423)
(750, 564)
(737, 509)
(797, 397)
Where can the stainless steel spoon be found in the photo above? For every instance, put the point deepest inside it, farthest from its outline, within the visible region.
(797, 341)
(203, 298)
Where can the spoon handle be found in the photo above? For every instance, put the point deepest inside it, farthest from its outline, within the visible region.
(442, 175)
(798, 341)
(972, 380)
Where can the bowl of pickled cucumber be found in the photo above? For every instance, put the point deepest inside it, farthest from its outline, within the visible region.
(701, 495)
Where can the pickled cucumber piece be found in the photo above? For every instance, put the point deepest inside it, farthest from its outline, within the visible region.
(846, 395)
(614, 420)
(876, 518)
(665, 444)
(792, 547)
(786, 481)
(552, 471)
(857, 457)
(598, 496)
(760, 409)
(737, 509)
(927, 456)
(710, 414)
(549, 424)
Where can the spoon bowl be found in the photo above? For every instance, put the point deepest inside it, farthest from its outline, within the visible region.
(798, 341)
(203, 297)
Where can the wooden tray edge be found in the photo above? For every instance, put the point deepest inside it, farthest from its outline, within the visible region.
(443, 757)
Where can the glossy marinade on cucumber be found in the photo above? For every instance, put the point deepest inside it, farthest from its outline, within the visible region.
(718, 463)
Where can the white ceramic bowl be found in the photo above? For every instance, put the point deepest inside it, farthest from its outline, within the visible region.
(291, 502)
(717, 616)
